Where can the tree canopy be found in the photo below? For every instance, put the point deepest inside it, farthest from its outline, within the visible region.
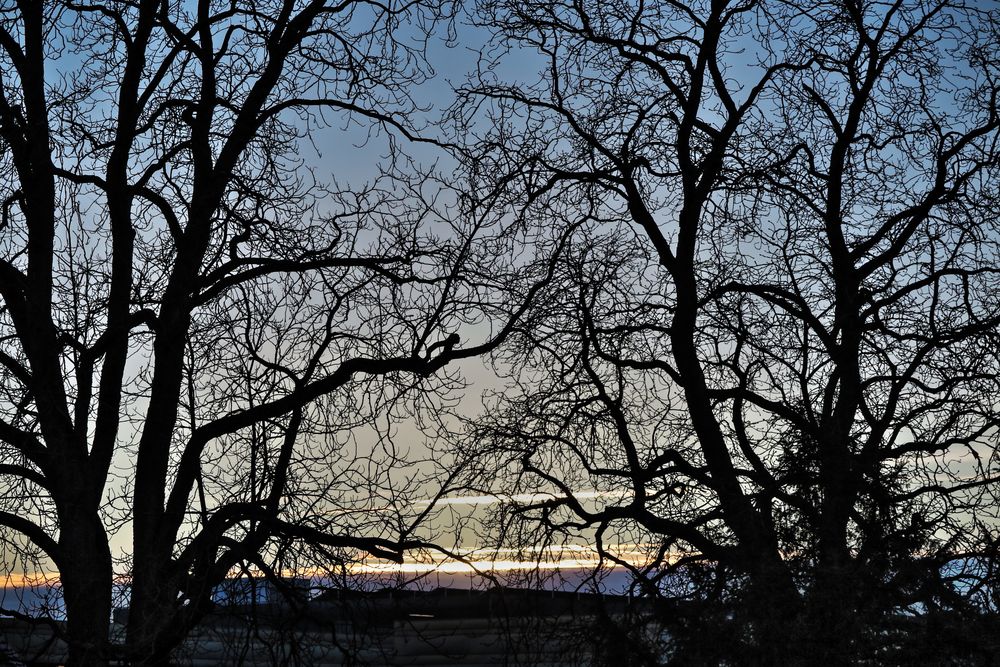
(196, 322)
(769, 352)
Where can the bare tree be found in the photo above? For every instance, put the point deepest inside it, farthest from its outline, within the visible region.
(771, 346)
(197, 332)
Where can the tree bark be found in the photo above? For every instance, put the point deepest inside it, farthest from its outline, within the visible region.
(87, 579)
(833, 620)
(151, 607)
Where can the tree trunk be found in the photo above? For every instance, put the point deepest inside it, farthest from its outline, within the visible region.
(833, 622)
(821, 628)
(157, 625)
(775, 612)
(87, 579)
(151, 609)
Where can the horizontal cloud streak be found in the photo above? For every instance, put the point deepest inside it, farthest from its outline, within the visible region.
(518, 498)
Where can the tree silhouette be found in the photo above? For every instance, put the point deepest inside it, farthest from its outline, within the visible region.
(195, 327)
(771, 344)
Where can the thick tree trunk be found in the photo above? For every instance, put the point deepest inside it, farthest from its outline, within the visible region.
(822, 627)
(156, 624)
(775, 611)
(833, 620)
(779, 640)
(87, 579)
(148, 639)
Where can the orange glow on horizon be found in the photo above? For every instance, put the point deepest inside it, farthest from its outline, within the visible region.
(30, 580)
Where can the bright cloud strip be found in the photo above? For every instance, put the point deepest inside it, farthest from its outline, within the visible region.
(475, 501)
(518, 498)
(458, 567)
(482, 560)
